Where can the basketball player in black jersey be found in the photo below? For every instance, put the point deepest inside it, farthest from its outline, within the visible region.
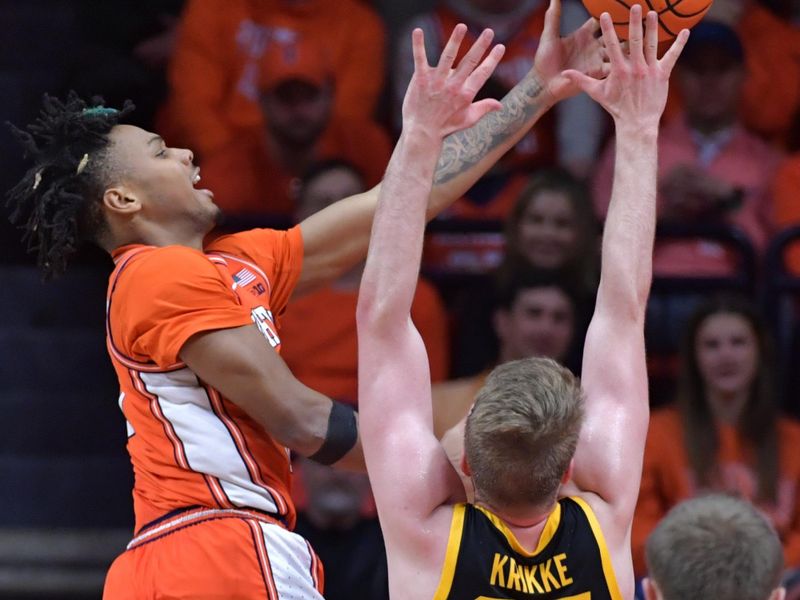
(556, 468)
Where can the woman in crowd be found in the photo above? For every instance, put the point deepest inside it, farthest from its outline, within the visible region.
(552, 226)
(725, 433)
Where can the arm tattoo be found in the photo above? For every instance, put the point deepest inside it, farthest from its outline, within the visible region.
(464, 149)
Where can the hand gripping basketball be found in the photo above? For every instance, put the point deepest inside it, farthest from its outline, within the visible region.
(439, 99)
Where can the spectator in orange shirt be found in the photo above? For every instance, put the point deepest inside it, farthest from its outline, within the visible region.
(320, 329)
(214, 73)
(725, 432)
(771, 87)
(258, 171)
(710, 168)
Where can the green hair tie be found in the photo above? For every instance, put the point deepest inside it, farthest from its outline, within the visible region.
(99, 111)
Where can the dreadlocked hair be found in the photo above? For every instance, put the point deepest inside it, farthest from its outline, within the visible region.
(57, 202)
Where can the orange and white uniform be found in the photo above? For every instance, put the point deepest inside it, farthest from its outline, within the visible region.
(211, 493)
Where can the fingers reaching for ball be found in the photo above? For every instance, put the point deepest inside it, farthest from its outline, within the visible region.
(635, 35)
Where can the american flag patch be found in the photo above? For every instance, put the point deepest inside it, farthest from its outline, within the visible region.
(244, 277)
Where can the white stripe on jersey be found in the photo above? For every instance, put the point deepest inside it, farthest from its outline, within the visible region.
(208, 444)
(290, 561)
(128, 426)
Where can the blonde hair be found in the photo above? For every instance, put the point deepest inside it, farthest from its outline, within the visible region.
(523, 431)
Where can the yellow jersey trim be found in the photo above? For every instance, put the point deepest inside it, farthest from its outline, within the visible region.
(583, 596)
(608, 568)
(550, 527)
(451, 554)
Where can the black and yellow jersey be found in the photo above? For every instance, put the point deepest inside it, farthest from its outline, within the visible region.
(484, 560)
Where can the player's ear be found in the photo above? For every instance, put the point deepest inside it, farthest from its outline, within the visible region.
(121, 200)
(568, 473)
(465, 465)
(650, 588)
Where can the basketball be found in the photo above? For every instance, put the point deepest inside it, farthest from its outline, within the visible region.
(672, 15)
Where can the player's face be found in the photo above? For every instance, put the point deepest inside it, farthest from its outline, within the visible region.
(163, 179)
(727, 355)
(711, 88)
(325, 189)
(540, 323)
(548, 230)
(296, 112)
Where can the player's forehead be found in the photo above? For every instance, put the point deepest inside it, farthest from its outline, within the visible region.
(130, 140)
(550, 297)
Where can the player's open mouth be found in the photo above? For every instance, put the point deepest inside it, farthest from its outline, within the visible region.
(196, 177)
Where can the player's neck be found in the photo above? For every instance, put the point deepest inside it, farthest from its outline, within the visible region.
(518, 519)
(526, 525)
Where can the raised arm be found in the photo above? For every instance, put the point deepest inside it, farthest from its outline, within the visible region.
(608, 461)
(336, 238)
(409, 471)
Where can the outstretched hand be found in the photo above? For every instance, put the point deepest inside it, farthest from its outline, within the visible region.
(635, 91)
(439, 99)
(581, 51)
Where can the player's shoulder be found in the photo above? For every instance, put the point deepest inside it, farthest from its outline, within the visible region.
(166, 256)
(244, 244)
(165, 263)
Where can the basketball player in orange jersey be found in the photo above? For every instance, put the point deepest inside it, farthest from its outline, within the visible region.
(192, 331)
(555, 466)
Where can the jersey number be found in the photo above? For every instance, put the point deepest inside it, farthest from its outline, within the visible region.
(263, 320)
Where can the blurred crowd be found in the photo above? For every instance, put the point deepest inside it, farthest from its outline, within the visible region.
(290, 105)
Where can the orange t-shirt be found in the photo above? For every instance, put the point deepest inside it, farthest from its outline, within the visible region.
(189, 445)
(322, 350)
(667, 479)
(213, 72)
(245, 179)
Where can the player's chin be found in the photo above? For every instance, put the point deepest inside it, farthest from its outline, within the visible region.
(217, 216)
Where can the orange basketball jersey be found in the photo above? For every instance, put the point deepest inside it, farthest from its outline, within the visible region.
(189, 445)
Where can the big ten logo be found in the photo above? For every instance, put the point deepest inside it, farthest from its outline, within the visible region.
(258, 289)
(263, 320)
